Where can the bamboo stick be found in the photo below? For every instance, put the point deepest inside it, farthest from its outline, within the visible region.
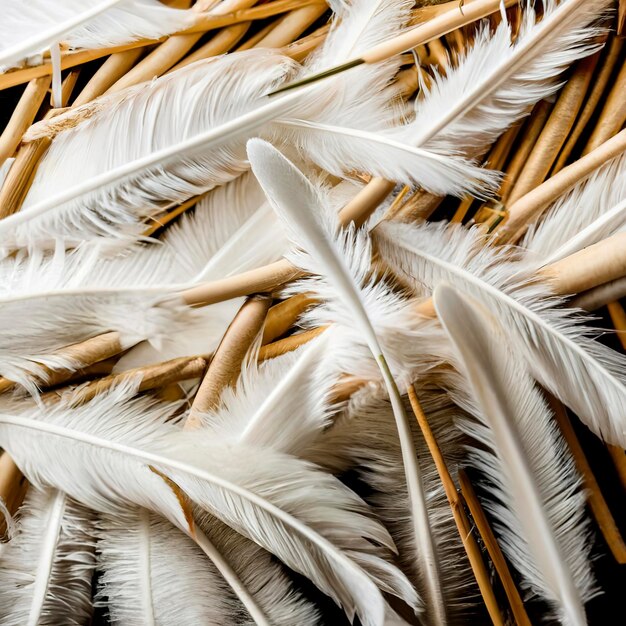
(226, 363)
(495, 553)
(463, 525)
(529, 207)
(599, 508)
(557, 128)
(598, 86)
(23, 116)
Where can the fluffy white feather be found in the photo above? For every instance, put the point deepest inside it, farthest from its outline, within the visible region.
(297, 203)
(498, 82)
(47, 567)
(30, 28)
(591, 211)
(200, 118)
(281, 503)
(535, 489)
(581, 372)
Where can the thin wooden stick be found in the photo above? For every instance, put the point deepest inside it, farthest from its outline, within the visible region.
(529, 207)
(495, 553)
(289, 344)
(299, 50)
(281, 317)
(226, 364)
(464, 528)
(613, 114)
(599, 508)
(23, 116)
(600, 81)
(557, 128)
(621, 18)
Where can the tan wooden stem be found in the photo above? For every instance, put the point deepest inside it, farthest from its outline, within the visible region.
(599, 508)
(557, 128)
(288, 344)
(282, 316)
(23, 116)
(497, 558)
(621, 18)
(530, 207)
(231, 353)
(461, 520)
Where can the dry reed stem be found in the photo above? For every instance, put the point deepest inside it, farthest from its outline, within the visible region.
(611, 55)
(556, 130)
(226, 363)
(289, 344)
(282, 316)
(621, 18)
(599, 508)
(494, 551)
(530, 207)
(461, 520)
(23, 116)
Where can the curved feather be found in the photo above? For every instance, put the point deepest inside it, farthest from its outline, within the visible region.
(535, 484)
(581, 372)
(281, 503)
(47, 567)
(283, 184)
(29, 28)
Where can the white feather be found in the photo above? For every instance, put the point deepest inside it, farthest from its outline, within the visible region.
(199, 119)
(283, 504)
(583, 373)
(47, 567)
(296, 202)
(30, 27)
(590, 212)
(534, 482)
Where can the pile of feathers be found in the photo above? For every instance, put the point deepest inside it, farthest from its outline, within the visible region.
(262, 410)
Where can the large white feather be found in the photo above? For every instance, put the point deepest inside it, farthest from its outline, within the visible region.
(283, 504)
(199, 119)
(297, 203)
(535, 488)
(29, 28)
(47, 567)
(583, 373)
(590, 212)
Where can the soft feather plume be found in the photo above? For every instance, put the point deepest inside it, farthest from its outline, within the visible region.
(592, 211)
(201, 117)
(30, 28)
(280, 502)
(581, 372)
(360, 440)
(297, 202)
(534, 487)
(47, 567)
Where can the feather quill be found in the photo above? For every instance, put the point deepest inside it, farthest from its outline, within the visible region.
(279, 502)
(535, 484)
(29, 28)
(283, 183)
(581, 372)
(47, 567)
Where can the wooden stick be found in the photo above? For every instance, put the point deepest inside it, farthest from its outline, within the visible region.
(23, 116)
(599, 508)
(164, 219)
(599, 296)
(618, 456)
(598, 86)
(289, 344)
(557, 128)
(282, 316)
(529, 208)
(495, 553)
(299, 50)
(225, 366)
(621, 18)
(472, 549)
(613, 114)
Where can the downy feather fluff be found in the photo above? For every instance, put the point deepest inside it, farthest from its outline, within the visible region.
(581, 372)
(298, 204)
(47, 567)
(592, 211)
(282, 503)
(534, 489)
(200, 118)
(30, 28)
